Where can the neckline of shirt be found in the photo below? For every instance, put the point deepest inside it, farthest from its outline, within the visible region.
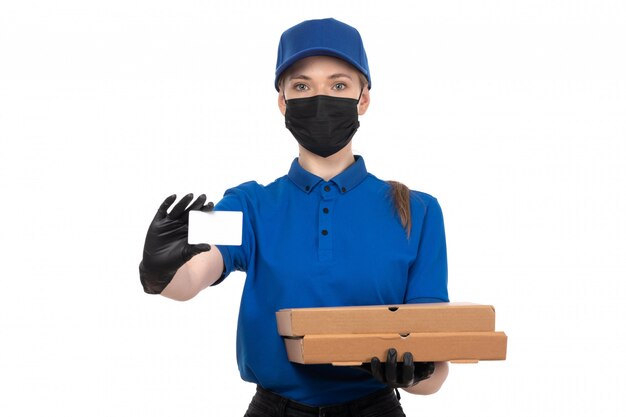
(345, 180)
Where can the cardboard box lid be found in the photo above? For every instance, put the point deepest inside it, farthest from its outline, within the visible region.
(401, 318)
(425, 347)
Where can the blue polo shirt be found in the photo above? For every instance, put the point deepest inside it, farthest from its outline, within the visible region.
(308, 242)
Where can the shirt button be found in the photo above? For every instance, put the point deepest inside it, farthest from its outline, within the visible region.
(307, 188)
(343, 189)
(327, 188)
(324, 232)
(325, 209)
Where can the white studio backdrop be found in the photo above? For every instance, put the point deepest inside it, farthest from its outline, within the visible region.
(511, 113)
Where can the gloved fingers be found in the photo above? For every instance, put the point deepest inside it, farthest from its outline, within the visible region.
(207, 207)
(390, 366)
(198, 203)
(377, 369)
(430, 369)
(408, 368)
(189, 251)
(423, 370)
(179, 208)
(162, 211)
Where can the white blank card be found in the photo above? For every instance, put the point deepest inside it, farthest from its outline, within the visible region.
(215, 227)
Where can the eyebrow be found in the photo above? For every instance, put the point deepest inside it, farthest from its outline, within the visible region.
(340, 75)
(299, 77)
(331, 77)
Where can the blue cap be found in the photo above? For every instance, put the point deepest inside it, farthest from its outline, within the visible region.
(321, 37)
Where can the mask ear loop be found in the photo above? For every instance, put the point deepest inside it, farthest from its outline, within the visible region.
(358, 99)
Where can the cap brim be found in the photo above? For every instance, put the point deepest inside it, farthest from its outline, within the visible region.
(315, 52)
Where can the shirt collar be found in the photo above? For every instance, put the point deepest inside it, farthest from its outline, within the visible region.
(346, 180)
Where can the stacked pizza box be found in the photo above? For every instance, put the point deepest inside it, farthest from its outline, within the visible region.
(457, 332)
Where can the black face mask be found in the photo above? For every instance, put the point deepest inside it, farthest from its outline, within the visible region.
(322, 124)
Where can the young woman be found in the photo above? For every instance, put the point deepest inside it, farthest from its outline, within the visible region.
(329, 233)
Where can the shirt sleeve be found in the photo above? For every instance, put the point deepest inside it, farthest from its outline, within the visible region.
(236, 258)
(428, 274)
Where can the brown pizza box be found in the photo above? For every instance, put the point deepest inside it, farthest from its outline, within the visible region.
(353, 349)
(401, 318)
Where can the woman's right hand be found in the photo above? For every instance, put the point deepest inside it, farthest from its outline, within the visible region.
(166, 248)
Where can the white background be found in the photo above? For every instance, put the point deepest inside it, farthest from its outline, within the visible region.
(512, 113)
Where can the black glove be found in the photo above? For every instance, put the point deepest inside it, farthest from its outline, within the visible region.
(166, 248)
(403, 375)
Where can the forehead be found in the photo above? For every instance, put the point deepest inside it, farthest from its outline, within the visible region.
(321, 66)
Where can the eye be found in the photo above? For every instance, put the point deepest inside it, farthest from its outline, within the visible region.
(339, 86)
(300, 87)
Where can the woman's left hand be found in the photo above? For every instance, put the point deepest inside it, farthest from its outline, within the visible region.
(399, 375)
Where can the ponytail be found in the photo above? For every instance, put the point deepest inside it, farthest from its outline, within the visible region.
(400, 195)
